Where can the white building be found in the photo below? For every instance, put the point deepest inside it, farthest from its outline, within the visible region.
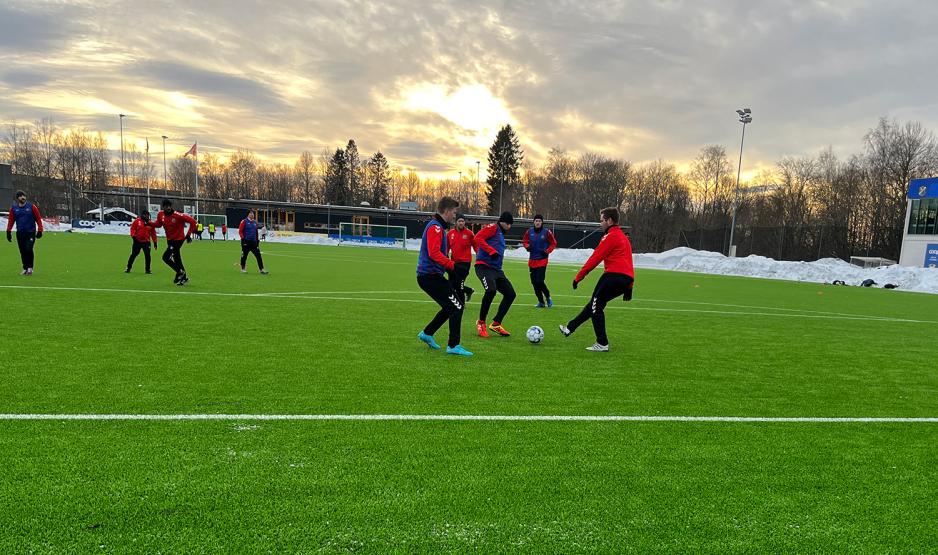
(920, 236)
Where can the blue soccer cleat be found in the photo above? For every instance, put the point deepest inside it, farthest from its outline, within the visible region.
(539, 305)
(550, 303)
(458, 350)
(428, 339)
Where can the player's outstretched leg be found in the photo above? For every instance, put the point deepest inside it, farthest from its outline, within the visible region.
(508, 296)
(488, 278)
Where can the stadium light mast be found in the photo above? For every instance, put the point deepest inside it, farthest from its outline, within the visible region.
(164, 161)
(745, 116)
(121, 118)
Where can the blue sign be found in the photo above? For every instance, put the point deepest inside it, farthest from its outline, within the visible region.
(923, 188)
(931, 255)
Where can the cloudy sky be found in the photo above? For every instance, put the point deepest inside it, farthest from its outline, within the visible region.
(429, 83)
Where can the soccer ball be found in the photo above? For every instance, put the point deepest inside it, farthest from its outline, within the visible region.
(535, 334)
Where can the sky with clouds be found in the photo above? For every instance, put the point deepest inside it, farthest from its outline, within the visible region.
(430, 83)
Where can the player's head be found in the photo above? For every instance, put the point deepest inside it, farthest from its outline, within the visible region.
(145, 216)
(538, 222)
(460, 222)
(446, 208)
(20, 197)
(167, 206)
(251, 215)
(505, 221)
(609, 217)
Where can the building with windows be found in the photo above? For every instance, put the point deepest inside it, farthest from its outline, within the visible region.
(920, 235)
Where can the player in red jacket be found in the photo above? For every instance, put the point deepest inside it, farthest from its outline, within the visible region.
(615, 252)
(459, 241)
(142, 233)
(539, 242)
(175, 225)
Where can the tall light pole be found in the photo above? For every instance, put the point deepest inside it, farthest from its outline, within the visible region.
(478, 179)
(121, 118)
(164, 162)
(745, 116)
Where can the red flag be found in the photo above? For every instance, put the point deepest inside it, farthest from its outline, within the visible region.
(193, 151)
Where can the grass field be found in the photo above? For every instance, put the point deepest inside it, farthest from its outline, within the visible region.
(332, 331)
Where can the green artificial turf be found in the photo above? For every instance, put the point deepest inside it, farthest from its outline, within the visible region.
(332, 330)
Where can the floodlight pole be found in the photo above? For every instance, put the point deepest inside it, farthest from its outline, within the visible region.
(164, 163)
(121, 118)
(745, 116)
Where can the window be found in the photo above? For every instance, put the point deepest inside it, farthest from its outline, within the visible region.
(930, 216)
(913, 215)
(923, 217)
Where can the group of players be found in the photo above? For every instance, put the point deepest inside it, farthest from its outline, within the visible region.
(449, 251)
(442, 251)
(143, 232)
(29, 228)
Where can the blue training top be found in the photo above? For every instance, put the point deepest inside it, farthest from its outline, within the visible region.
(24, 217)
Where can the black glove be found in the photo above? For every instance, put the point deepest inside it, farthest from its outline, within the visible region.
(10, 236)
(494, 256)
(188, 238)
(38, 235)
(575, 283)
(627, 296)
(154, 246)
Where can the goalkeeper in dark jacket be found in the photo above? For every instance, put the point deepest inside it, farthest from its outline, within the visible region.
(615, 252)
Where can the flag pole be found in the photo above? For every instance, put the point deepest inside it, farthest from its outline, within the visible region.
(148, 174)
(197, 180)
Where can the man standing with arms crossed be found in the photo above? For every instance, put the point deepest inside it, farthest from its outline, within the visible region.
(615, 252)
(490, 250)
(142, 233)
(175, 223)
(28, 228)
(431, 264)
(539, 242)
(459, 241)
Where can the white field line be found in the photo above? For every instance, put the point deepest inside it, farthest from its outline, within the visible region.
(477, 417)
(700, 303)
(428, 301)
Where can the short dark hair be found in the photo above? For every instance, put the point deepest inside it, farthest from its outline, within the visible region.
(611, 213)
(166, 202)
(446, 203)
(19, 194)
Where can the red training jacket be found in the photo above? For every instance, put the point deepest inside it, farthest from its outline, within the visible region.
(460, 244)
(141, 232)
(552, 244)
(614, 251)
(175, 225)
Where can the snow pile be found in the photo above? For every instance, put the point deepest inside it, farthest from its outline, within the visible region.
(47, 225)
(821, 271)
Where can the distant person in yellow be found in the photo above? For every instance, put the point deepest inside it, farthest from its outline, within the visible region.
(198, 230)
(211, 232)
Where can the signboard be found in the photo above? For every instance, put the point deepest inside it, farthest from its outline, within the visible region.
(923, 188)
(91, 224)
(931, 255)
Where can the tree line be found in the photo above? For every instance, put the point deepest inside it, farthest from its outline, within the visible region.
(802, 208)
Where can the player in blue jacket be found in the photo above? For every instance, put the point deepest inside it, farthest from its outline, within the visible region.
(28, 228)
(432, 263)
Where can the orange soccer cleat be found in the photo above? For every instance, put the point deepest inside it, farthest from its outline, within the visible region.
(499, 329)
